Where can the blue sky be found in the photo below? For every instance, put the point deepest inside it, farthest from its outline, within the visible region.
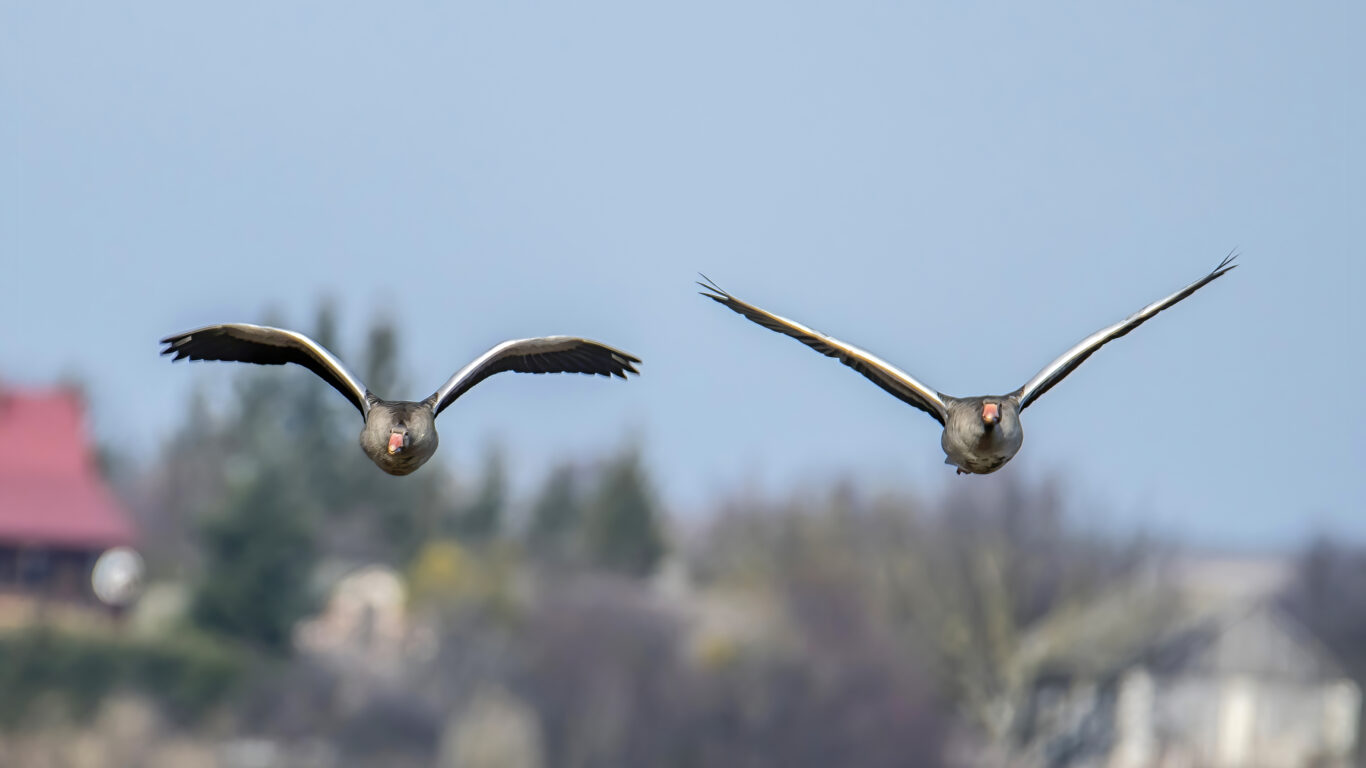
(964, 190)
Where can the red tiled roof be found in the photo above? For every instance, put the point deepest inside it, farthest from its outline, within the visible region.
(51, 493)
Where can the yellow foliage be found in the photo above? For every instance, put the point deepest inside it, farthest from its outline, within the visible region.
(446, 575)
(714, 652)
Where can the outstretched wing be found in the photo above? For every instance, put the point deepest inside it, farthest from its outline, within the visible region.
(263, 345)
(1057, 370)
(892, 379)
(547, 354)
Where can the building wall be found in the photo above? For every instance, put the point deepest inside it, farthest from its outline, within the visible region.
(1237, 721)
(38, 580)
(1197, 721)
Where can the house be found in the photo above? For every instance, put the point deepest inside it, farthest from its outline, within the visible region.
(1175, 677)
(57, 514)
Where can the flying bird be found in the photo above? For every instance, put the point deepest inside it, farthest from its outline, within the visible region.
(982, 433)
(399, 435)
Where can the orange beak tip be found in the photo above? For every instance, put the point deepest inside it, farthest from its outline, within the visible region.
(395, 442)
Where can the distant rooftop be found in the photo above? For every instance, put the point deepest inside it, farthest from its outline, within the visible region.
(1233, 577)
(51, 491)
(1196, 613)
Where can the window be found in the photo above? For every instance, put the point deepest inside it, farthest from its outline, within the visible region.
(9, 565)
(35, 567)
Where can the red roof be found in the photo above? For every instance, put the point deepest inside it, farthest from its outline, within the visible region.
(51, 492)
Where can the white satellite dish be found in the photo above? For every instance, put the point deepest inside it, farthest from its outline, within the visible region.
(117, 576)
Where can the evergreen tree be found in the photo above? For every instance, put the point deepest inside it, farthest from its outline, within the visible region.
(481, 519)
(258, 558)
(622, 531)
(381, 360)
(186, 487)
(556, 517)
(315, 443)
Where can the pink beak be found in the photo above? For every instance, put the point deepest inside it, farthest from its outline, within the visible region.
(395, 442)
(991, 413)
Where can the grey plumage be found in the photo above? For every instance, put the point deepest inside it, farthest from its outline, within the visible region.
(980, 434)
(399, 435)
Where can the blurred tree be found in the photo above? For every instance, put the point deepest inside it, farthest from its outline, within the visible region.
(1327, 592)
(187, 672)
(446, 578)
(605, 668)
(482, 518)
(204, 458)
(381, 359)
(315, 416)
(556, 517)
(258, 556)
(494, 730)
(965, 579)
(181, 487)
(976, 577)
(622, 530)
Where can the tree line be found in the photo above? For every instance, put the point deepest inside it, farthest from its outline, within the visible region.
(832, 625)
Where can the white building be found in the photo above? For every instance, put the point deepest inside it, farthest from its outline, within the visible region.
(1158, 681)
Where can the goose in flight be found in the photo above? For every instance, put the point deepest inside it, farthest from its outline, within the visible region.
(981, 434)
(399, 435)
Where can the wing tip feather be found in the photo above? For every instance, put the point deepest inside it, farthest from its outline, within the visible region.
(1227, 264)
(718, 294)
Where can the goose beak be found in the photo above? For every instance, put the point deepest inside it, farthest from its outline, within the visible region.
(991, 413)
(396, 441)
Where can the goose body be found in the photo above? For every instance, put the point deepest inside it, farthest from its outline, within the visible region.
(975, 445)
(414, 424)
(398, 435)
(981, 434)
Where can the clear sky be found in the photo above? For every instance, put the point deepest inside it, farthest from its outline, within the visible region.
(963, 189)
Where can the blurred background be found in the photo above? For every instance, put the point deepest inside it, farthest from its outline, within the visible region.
(747, 556)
